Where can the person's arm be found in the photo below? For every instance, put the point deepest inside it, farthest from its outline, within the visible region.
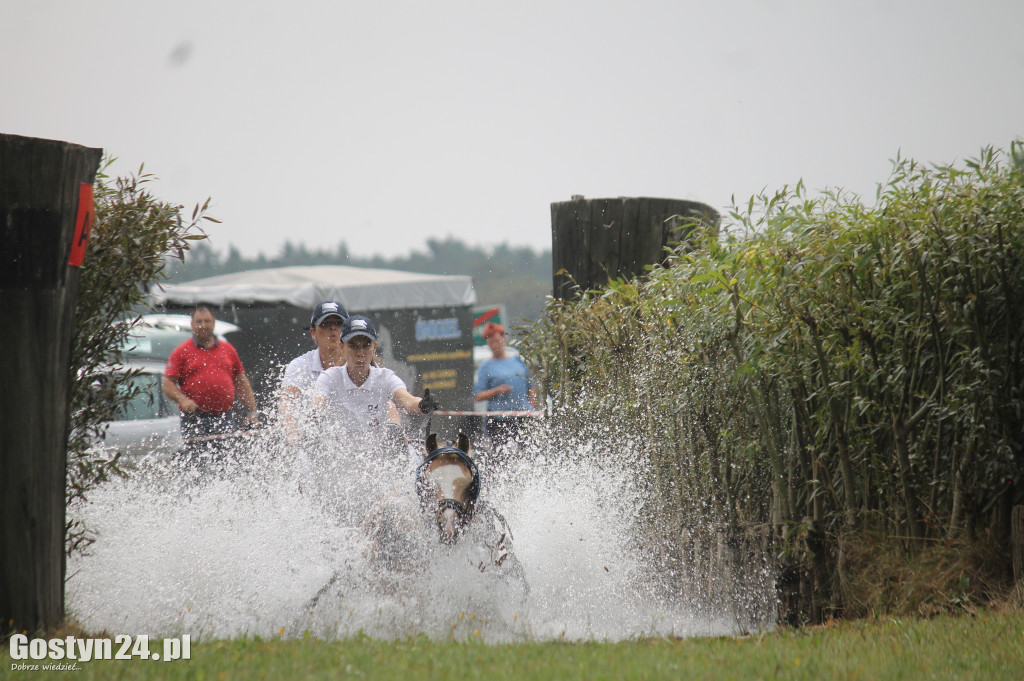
(174, 393)
(290, 397)
(412, 404)
(393, 415)
(394, 433)
(485, 395)
(244, 390)
(407, 401)
(321, 389)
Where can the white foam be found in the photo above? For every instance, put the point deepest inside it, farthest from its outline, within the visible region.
(244, 553)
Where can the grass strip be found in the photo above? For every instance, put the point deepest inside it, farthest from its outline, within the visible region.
(988, 646)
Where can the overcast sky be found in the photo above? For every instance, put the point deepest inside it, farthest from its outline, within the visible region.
(383, 124)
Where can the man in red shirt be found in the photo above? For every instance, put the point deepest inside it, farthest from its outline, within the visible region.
(203, 376)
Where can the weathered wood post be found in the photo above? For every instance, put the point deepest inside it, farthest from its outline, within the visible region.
(1017, 542)
(592, 239)
(45, 193)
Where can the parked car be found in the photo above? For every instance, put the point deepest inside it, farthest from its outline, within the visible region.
(147, 425)
(156, 335)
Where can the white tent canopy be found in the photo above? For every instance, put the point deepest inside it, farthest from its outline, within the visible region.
(356, 288)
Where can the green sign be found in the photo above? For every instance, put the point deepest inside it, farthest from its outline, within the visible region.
(483, 314)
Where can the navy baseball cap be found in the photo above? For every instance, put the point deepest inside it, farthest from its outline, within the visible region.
(327, 309)
(357, 325)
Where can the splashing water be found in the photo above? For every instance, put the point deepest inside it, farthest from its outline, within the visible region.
(243, 552)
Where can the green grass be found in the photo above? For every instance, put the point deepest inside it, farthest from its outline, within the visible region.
(989, 646)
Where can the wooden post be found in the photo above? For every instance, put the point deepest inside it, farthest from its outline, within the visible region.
(41, 184)
(594, 238)
(1017, 542)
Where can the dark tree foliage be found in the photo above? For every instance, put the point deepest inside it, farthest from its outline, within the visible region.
(133, 236)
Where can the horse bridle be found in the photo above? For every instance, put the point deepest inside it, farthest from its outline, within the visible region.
(463, 511)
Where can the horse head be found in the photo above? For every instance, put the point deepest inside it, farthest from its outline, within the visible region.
(448, 484)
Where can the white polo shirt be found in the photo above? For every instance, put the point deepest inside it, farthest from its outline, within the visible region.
(360, 408)
(303, 371)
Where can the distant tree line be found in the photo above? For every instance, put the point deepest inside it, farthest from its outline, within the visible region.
(518, 277)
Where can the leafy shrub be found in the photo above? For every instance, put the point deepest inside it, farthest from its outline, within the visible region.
(824, 367)
(133, 235)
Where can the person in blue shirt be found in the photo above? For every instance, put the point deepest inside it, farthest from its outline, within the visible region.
(503, 382)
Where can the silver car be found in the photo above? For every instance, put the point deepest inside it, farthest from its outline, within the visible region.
(149, 424)
(156, 335)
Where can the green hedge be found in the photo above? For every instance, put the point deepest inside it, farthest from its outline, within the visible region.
(823, 366)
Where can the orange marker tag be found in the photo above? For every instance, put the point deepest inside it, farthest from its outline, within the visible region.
(83, 225)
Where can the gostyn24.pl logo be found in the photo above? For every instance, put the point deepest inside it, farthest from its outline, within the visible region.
(75, 649)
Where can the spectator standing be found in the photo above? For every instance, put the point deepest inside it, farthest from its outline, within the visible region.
(503, 382)
(203, 377)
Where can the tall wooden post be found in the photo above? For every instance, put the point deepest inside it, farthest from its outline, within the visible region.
(1017, 542)
(45, 191)
(594, 238)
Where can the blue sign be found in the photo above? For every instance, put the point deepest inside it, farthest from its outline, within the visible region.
(437, 329)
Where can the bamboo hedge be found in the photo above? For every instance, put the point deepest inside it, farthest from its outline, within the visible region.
(819, 366)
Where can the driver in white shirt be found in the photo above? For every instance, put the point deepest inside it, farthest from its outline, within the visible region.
(355, 397)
